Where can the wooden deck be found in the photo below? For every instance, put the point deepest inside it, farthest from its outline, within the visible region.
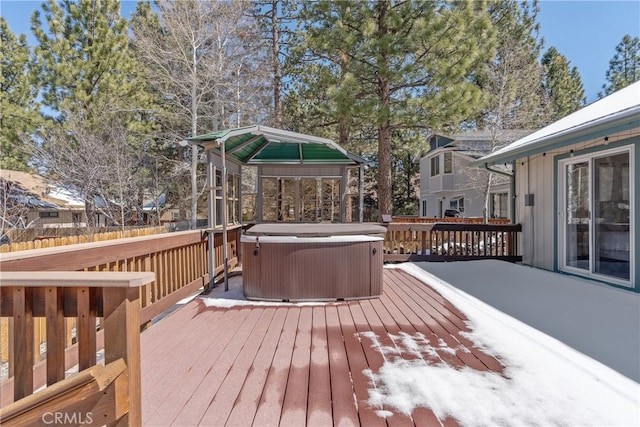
(295, 365)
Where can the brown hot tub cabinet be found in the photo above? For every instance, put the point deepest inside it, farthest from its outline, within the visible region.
(312, 262)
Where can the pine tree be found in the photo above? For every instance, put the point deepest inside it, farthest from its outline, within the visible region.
(18, 92)
(100, 104)
(392, 66)
(624, 67)
(563, 85)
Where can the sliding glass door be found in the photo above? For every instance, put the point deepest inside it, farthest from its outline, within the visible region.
(596, 203)
(577, 215)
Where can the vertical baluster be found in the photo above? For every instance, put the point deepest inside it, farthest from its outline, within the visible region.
(86, 327)
(487, 244)
(466, 243)
(23, 341)
(54, 313)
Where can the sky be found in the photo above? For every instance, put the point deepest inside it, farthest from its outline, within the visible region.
(563, 366)
(585, 32)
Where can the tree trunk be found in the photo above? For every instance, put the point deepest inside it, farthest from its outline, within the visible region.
(277, 77)
(385, 203)
(89, 212)
(194, 147)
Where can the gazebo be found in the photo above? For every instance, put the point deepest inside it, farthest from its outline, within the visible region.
(298, 178)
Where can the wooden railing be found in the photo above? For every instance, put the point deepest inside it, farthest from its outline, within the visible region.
(451, 242)
(98, 395)
(179, 261)
(433, 220)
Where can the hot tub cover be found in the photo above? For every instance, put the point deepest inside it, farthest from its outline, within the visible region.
(316, 230)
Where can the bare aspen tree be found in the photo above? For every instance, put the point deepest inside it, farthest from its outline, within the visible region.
(511, 83)
(196, 54)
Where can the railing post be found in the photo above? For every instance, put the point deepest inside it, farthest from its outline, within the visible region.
(122, 340)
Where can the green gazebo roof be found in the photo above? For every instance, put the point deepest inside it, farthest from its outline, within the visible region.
(254, 145)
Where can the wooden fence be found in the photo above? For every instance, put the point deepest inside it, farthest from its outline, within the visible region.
(179, 261)
(451, 242)
(45, 241)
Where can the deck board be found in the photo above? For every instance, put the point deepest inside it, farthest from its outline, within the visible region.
(319, 411)
(270, 403)
(294, 407)
(245, 407)
(297, 365)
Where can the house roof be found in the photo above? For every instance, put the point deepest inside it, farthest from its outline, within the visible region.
(621, 110)
(264, 145)
(35, 191)
(475, 144)
(29, 189)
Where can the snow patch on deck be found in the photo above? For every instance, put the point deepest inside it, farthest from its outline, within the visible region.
(544, 382)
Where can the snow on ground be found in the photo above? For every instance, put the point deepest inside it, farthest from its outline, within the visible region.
(545, 382)
(235, 297)
(598, 320)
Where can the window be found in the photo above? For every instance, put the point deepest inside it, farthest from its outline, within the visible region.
(269, 198)
(287, 189)
(304, 199)
(48, 214)
(330, 199)
(309, 195)
(457, 203)
(233, 199)
(499, 205)
(232, 215)
(448, 162)
(249, 193)
(424, 208)
(435, 165)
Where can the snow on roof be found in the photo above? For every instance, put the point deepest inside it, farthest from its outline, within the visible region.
(70, 199)
(622, 104)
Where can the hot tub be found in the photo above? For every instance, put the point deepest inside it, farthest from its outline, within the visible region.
(312, 262)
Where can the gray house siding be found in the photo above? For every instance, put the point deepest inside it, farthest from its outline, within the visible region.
(538, 175)
(437, 192)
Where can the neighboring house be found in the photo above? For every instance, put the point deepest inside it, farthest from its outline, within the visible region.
(448, 183)
(577, 191)
(28, 200)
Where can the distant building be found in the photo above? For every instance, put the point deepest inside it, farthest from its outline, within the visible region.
(29, 201)
(450, 187)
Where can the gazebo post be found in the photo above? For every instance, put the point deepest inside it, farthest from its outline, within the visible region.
(259, 195)
(361, 185)
(343, 194)
(223, 216)
(211, 176)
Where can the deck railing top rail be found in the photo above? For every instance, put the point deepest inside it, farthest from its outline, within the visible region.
(64, 279)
